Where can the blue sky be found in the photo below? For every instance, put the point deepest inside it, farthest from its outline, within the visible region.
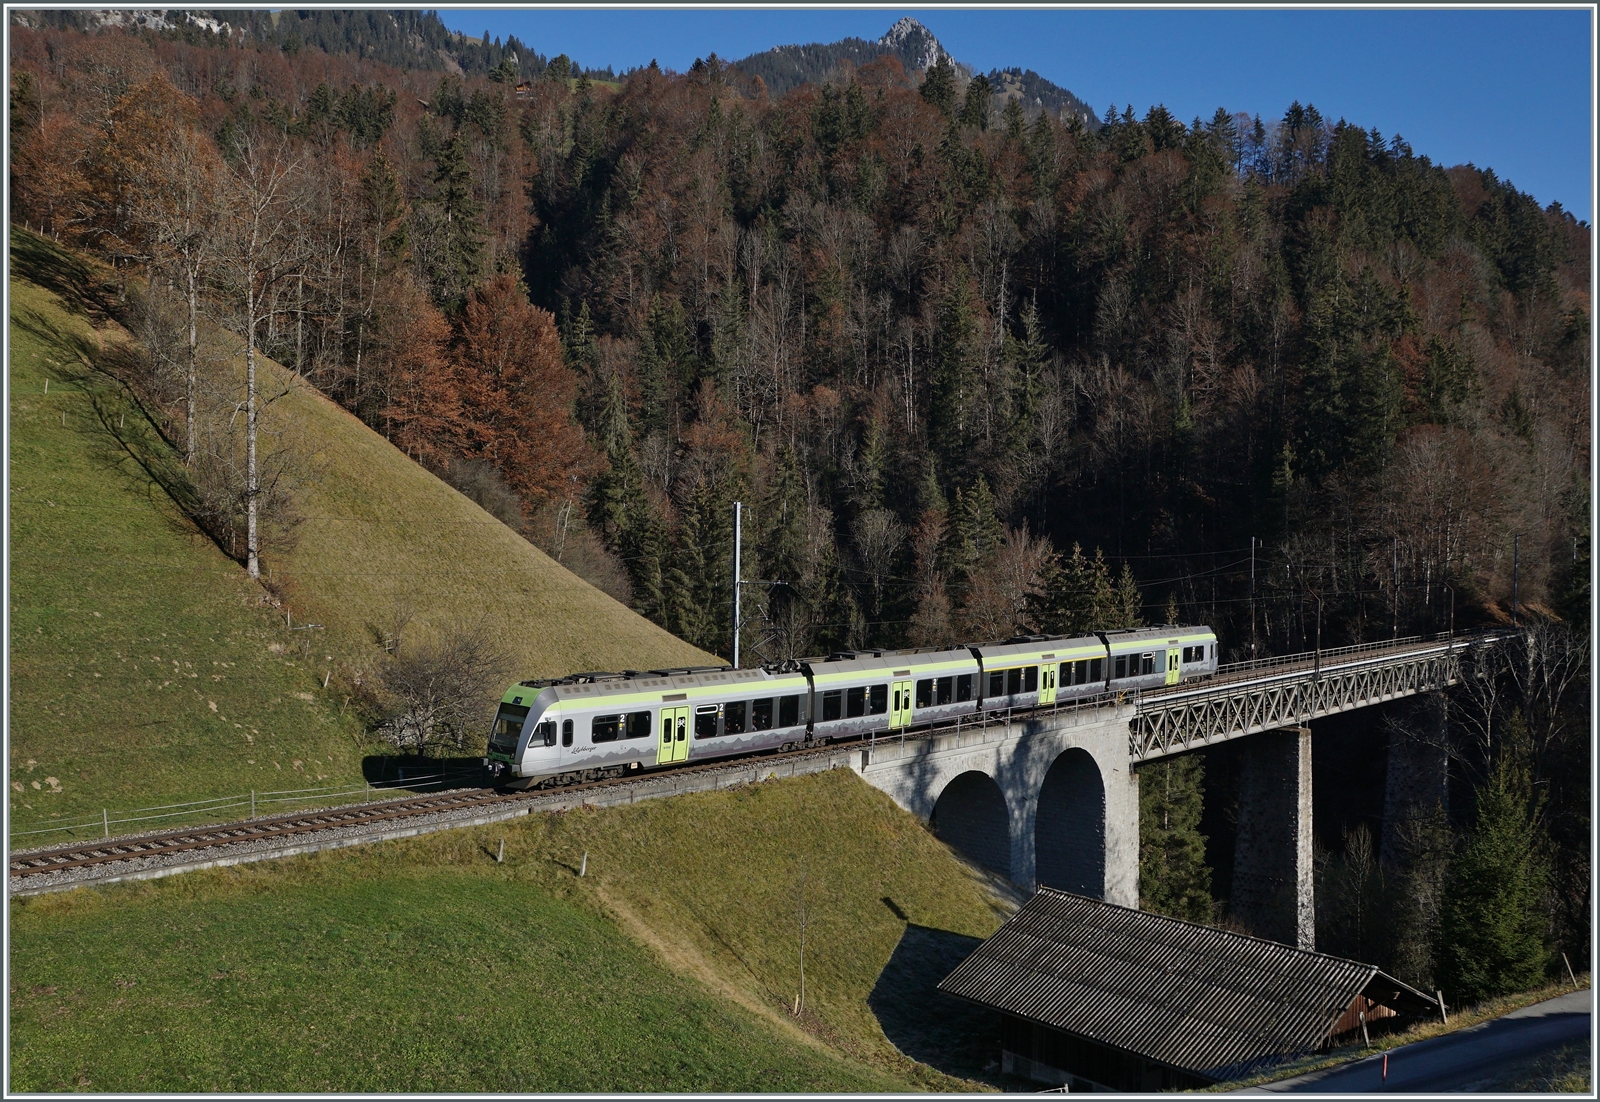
(1503, 89)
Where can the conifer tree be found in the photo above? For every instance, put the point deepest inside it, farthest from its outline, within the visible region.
(452, 230)
(975, 531)
(1491, 924)
(1012, 114)
(952, 421)
(1127, 603)
(1027, 358)
(939, 87)
(616, 497)
(975, 107)
(1173, 877)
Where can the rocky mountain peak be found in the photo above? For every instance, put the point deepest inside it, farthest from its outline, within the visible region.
(909, 39)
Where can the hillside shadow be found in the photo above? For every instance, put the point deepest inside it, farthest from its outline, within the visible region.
(942, 1031)
(407, 772)
(80, 285)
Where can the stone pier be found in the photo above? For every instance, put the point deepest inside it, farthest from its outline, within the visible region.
(1272, 872)
(1417, 779)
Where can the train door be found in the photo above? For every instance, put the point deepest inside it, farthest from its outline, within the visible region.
(899, 705)
(674, 745)
(1047, 683)
(1172, 665)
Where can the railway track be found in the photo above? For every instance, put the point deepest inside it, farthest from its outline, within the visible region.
(82, 854)
(86, 855)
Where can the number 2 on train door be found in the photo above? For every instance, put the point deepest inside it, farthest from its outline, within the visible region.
(900, 713)
(674, 743)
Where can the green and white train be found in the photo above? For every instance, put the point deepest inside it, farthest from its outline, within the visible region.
(593, 725)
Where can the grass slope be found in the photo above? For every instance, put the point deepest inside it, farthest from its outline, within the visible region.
(426, 965)
(144, 667)
(380, 533)
(147, 669)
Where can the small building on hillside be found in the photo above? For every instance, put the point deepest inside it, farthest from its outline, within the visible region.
(1100, 997)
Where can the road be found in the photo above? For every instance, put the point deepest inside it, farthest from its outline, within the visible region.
(1456, 1061)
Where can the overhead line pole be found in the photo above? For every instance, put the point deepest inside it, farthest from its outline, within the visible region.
(738, 536)
(1252, 596)
(1516, 548)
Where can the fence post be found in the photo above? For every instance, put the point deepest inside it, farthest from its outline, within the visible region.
(105, 821)
(252, 803)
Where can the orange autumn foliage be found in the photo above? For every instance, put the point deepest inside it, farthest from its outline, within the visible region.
(411, 353)
(517, 392)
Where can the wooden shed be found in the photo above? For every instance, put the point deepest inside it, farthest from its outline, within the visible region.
(1101, 997)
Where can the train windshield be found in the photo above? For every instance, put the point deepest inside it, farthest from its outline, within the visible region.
(507, 726)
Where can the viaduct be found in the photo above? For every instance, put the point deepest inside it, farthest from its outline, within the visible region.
(1051, 797)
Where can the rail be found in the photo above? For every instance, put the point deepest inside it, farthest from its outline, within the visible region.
(216, 804)
(1276, 660)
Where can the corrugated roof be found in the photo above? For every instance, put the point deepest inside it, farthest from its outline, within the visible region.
(1199, 999)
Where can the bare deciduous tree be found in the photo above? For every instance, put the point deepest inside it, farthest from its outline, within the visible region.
(440, 691)
(262, 249)
(878, 537)
(176, 206)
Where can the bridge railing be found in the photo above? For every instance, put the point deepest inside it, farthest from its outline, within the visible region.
(1326, 654)
(1300, 657)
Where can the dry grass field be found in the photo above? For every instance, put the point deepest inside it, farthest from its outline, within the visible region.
(381, 537)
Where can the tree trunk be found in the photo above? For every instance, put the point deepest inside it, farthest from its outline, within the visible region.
(252, 486)
(191, 381)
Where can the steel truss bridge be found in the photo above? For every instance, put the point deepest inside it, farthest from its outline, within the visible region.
(1266, 694)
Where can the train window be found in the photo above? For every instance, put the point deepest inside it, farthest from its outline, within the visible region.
(705, 721)
(1147, 663)
(1095, 666)
(997, 683)
(964, 687)
(878, 701)
(733, 718)
(832, 704)
(761, 715)
(944, 690)
(605, 728)
(548, 730)
(636, 725)
(1119, 668)
(1014, 680)
(925, 693)
(855, 702)
(508, 724)
(566, 732)
(1030, 679)
(789, 711)
(1080, 672)
(1213, 652)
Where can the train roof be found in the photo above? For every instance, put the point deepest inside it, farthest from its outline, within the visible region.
(844, 663)
(1044, 647)
(1166, 633)
(646, 684)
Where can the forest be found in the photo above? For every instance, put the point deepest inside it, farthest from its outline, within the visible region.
(971, 369)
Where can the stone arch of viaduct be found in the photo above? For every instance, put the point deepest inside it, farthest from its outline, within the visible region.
(1046, 802)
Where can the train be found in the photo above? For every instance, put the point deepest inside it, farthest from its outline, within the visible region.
(593, 726)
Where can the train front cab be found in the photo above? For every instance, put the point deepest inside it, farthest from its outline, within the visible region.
(523, 737)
